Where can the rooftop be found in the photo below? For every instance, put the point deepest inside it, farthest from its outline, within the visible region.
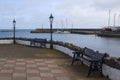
(19, 62)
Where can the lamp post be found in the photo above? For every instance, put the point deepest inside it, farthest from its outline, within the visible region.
(51, 21)
(14, 23)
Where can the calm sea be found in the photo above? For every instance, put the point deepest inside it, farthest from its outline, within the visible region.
(102, 44)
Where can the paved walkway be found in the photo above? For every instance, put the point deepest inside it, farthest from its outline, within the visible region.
(19, 62)
(31, 69)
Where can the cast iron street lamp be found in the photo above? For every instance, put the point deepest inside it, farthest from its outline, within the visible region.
(51, 21)
(14, 23)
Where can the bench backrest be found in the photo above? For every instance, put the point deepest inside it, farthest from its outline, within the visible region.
(39, 40)
(93, 54)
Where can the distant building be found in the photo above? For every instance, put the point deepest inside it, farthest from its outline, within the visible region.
(115, 28)
(111, 28)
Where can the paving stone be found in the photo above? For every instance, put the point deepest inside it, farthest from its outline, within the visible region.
(20, 68)
(5, 78)
(50, 61)
(43, 68)
(20, 63)
(41, 64)
(19, 71)
(8, 68)
(44, 71)
(62, 78)
(57, 71)
(33, 75)
(20, 60)
(53, 68)
(5, 74)
(46, 75)
(9, 65)
(33, 78)
(59, 74)
(32, 71)
(6, 71)
(19, 78)
(10, 61)
(47, 78)
(3, 59)
(32, 68)
(30, 61)
(1, 67)
(2, 62)
(39, 60)
(52, 65)
(31, 65)
(19, 74)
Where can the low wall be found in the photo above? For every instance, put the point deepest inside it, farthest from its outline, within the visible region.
(112, 73)
(111, 67)
(63, 49)
(6, 41)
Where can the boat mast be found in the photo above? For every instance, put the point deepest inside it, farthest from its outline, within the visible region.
(109, 19)
(114, 20)
(118, 19)
(62, 25)
(42, 26)
(72, 27)
(66, 23)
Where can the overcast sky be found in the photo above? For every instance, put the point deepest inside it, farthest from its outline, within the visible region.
(31, 14)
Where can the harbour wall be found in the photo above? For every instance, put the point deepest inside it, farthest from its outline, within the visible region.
(77, 31)
(111, 67)
(109, 34)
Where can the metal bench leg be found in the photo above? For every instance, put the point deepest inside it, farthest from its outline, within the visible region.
(40, 44)
(44, 45)
(73, 59)
(90, 68)
(101, 70)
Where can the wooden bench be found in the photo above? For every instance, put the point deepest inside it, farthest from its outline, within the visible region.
(38, 42)
(92, 59)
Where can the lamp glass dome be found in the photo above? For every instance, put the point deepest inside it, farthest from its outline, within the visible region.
(14, 21)
(51, 18)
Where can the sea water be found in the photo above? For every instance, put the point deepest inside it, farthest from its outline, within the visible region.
(102, 44)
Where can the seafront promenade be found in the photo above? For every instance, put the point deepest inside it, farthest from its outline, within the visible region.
(20, 62)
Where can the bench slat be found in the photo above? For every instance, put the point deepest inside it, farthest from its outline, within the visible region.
(38, 42)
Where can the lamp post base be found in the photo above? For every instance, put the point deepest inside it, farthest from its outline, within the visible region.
(14, 41)
(51, 46)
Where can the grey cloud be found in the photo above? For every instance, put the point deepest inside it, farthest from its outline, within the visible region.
(106, 4)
